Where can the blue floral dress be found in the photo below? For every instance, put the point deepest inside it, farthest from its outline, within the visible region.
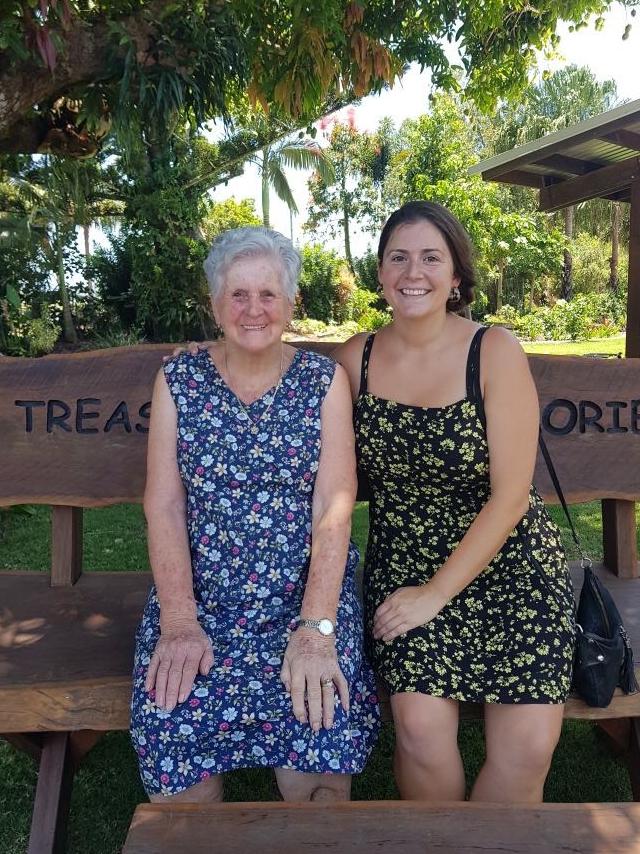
(249, 474)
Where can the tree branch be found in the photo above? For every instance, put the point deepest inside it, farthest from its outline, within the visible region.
(87, 56)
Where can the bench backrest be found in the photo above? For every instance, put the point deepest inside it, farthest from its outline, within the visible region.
(73, 427)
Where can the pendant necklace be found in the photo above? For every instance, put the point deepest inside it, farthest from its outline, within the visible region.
(255, 422)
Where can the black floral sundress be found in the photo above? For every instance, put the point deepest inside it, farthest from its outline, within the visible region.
(508, 637)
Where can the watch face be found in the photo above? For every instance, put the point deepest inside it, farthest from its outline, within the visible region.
(325, 627)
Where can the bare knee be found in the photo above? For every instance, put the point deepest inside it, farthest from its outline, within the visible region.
(426, 730)
(331, 793)
(529, 756)
(298, 787)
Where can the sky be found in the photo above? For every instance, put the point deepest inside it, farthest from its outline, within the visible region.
(604, 52)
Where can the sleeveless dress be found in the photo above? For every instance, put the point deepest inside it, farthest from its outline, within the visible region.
(249, 474)
(508, 637)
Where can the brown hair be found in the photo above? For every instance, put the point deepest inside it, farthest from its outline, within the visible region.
(454, 233)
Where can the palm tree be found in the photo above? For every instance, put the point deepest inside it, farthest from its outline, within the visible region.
(57, 197)
(295, 154)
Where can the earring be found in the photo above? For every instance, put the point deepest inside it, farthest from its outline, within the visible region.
(454, 294)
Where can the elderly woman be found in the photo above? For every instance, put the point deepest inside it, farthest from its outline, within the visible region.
(249, 650)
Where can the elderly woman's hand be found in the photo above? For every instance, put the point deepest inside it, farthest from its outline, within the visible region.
(311, 666)
(183, 651)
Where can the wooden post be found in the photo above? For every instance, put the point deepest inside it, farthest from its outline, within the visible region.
(66, 545)
(618, 517)
(53, 794)
(632, 348)
(619, 537)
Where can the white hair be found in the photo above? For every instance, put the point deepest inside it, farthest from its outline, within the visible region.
(249, 242)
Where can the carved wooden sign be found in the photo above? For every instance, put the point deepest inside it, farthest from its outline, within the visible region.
(73, 427)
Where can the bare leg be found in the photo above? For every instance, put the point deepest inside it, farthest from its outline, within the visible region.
(520, 744)
(427, 762)
(296, 786)
(206, 792)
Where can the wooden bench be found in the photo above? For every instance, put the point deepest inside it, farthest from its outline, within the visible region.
(393, 827)
(73, 431)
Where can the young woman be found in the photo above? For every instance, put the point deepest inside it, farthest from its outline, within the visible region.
(467, 591)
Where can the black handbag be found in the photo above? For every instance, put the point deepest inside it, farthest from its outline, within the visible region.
(603, 657)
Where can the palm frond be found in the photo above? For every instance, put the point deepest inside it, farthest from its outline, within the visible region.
(305, 155)
(278, 180)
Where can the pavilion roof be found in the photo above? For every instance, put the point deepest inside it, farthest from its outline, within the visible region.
(597, 158)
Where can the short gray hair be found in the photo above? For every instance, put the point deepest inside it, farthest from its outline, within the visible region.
(249, 242)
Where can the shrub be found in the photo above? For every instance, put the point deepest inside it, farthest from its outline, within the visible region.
(480, 304)
(593, 315)
(366, 270)
(32, 336)
(325, 285)
(366, 317)
(307, 326)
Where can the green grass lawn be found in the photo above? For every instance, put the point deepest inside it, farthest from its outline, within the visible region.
(107, 787)
(595, 347)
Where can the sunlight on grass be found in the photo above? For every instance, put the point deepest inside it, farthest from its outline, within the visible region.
(594, 347)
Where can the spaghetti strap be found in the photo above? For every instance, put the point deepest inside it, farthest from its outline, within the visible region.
(364, 369)
(474, 390)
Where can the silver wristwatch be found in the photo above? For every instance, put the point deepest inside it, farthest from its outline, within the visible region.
(324, 626)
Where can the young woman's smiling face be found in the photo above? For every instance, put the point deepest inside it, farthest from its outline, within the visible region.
(417, 271)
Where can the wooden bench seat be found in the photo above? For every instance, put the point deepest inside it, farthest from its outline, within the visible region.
(392, 827)
(66, 653)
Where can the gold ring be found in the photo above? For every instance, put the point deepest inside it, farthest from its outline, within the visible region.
(326, 683)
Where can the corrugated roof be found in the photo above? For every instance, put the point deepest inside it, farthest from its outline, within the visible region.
(603, 142)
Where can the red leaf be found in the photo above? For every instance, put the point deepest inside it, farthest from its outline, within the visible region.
(46, 47)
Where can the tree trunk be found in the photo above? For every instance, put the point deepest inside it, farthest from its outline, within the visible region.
(347, 239)
(532, 293)
(87, 244)
(500, 284)
(345, 217)
(616, 217)
(265, 187)
(68, 329)
(566, 288)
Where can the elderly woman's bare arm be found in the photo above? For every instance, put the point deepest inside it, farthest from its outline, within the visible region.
(183, 648)
(310, 658)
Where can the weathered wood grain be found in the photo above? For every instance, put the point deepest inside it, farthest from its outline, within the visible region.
(362, 827)
(66, 653)
(58, 461)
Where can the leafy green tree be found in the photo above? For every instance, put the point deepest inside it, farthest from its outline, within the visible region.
(432, 163)
(351, 196)
(53, 198)
(561, 99)
(221, 216)
(73, 70)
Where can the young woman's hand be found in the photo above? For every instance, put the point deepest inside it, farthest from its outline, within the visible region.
(405, 609)
(192, 348)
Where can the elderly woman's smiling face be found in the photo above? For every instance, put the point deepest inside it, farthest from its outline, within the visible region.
(252, 309)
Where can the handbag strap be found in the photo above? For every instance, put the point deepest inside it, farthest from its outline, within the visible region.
(585, 560)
